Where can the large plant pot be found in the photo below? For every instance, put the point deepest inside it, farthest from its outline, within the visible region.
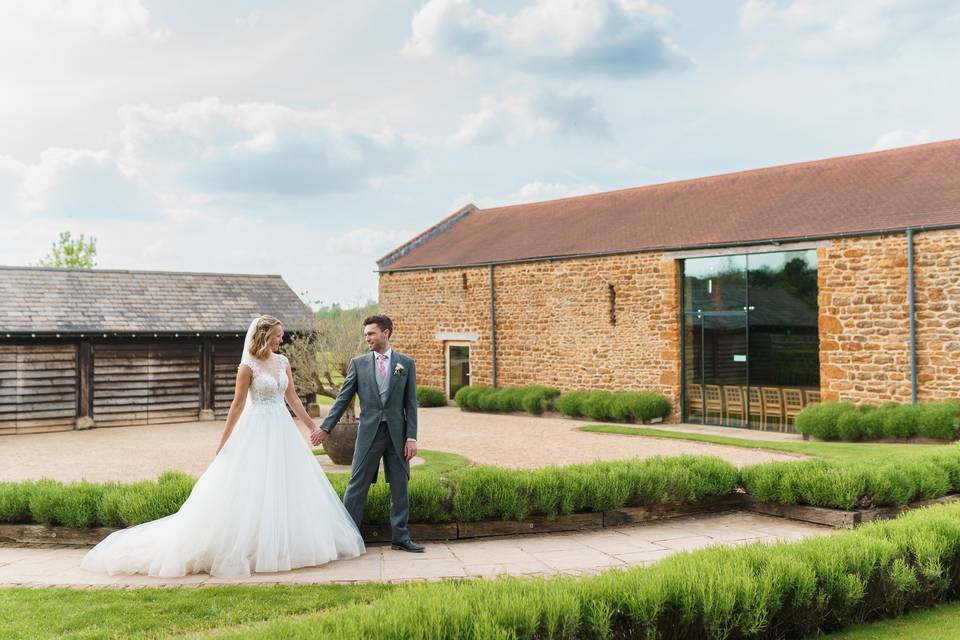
(341, 443)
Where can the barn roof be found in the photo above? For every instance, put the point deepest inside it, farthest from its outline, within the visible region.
(51, 300)
(891, 190)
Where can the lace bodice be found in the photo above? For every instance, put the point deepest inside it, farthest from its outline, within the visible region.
(269, 378)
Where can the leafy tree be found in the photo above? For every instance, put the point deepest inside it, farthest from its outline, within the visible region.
(321, 356)
(72, 253)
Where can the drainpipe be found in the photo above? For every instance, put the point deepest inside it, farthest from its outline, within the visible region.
(913, 318)
(493, 331)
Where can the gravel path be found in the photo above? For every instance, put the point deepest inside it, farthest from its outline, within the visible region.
(136, 453)
(523, 442)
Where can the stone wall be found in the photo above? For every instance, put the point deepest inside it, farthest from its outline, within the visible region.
(554, 323)
(865, 323)
(937, 276)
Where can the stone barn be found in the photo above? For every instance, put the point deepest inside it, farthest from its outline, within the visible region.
(82, 348)
(741, 297)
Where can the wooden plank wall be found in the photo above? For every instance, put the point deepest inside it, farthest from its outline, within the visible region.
(226, 359)
(38, 388)
(145, 384)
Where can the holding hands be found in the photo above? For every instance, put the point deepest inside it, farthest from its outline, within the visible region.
(318, 436)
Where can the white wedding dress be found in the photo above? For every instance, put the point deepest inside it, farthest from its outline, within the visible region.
(263, 504)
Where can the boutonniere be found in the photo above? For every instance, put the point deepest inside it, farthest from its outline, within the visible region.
(398, 369)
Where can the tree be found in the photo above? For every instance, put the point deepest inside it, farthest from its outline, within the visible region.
(321, 356)
(68, 252)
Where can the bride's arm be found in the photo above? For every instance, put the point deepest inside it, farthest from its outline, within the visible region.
(293, 401)
(244, 375)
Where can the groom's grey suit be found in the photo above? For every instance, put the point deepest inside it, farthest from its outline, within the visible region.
(388, 418)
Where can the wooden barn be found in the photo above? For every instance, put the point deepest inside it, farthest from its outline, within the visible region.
(83, 348)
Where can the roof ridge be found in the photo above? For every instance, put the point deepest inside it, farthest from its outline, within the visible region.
(422, 237)
(137, 271)
(728, 174)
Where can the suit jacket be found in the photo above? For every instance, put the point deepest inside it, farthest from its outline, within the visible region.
(399, 410)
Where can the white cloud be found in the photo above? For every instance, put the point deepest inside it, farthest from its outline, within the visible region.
(535, 191)
(73, 183)
(826, 28)
(110, 18)
(901, 138)
(615, 37)
(520, 118)
(364, 241)
(257, 148)
(538, 191)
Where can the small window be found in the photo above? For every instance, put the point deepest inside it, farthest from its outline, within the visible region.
(612, 294)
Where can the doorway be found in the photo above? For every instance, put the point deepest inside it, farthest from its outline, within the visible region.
(458, 367)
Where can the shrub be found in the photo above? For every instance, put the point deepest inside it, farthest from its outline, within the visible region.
(430, 397)
(762, 591)
(820, 420)
(72, 505)
(853, 486)
(15, 502)
(618, 406)
(537, 399)
(571, 403)
(532, 399)
(468, 494)
(843, 421)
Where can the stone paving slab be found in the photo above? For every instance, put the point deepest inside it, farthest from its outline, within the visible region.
(576, 554)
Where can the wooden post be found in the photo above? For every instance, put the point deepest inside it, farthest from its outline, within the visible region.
(84, 385)
(207, 380)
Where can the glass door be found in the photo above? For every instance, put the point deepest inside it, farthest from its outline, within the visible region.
(715, 340)
(716, 368)
(458, 368)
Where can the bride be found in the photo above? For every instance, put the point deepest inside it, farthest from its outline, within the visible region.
(263, 504)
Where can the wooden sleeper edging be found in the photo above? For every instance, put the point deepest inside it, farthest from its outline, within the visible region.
(34, 534)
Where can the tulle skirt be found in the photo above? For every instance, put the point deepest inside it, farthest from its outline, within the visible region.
(264, 504)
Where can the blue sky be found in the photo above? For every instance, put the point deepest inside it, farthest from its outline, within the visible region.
(309, 138)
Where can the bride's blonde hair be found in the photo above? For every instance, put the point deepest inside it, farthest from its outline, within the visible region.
(260, 341)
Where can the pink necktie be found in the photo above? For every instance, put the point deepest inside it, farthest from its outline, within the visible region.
(382, 364)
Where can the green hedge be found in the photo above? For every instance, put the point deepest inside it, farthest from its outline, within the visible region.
(617, 406)
(481, 493)
(842, 485)
(464, 495)
(532, 399)
(85, 504)
(430, 397)
(844, 421)
(759, 591)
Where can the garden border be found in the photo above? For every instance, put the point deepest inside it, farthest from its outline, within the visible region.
(38, 534)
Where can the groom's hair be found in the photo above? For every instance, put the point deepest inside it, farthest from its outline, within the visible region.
(385, 323)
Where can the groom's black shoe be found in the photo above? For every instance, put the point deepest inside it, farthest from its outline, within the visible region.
(408, 545)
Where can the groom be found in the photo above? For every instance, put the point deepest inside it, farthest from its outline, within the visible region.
(386, 382)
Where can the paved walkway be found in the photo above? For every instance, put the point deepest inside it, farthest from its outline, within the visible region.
(127, 454)
(582, 553)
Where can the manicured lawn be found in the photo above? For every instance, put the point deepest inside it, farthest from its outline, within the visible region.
(927, 624)
(162, 613)
(839, 451)
(437, 462)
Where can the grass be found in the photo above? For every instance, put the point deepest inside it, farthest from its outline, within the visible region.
(436, 462)
(784, 590)
(162, 613)
(798, 589)
(930, 624)
(836, 451)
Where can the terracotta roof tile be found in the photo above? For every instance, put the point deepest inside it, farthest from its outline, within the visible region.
(885, 190)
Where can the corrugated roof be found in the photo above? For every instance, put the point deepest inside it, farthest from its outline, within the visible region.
(49, 300)
(886, 190)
